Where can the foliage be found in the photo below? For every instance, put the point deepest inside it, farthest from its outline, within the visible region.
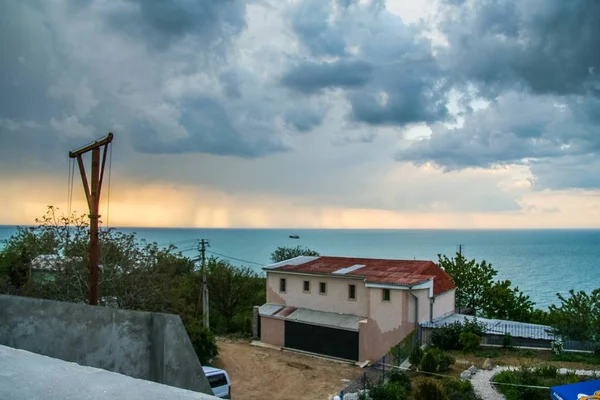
(416, 354)
(472, 280)
(430, 361)
(402, 378)
(540, 317)
(203, 341)
(458, 389)
(507, 341)
(445, 362)
(233, 291)
(447, 337)
(578, 316)
(577, 357)
(133, 274)
(469, 341)
(557, 347)
(546, 376)
(504, 302)
(429, 389)
(285, 253)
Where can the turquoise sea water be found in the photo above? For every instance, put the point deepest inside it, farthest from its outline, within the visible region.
(540, 262)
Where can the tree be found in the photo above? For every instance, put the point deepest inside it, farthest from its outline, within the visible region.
(504, 302)
(233, 291)
(472, 280)
(578, 316)
(285, 253)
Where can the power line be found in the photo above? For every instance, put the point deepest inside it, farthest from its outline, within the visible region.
(234, 258)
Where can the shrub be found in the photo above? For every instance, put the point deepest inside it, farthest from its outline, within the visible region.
(547, 371)
(469, 341)
(597, 351)
(430, 361)
(203, 341)
(507, 341)
(401, 378)
(429, 389)
(447, 337)
(557, 347)
(416, 354)
(445, 361)
(386, 391)
(458, 389)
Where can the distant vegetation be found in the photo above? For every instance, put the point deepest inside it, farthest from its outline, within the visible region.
(285, 253)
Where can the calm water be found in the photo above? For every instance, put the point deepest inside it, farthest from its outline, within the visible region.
(540, 262)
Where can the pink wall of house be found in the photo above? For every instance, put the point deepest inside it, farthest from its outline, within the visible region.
(335, 300)
(444, 304)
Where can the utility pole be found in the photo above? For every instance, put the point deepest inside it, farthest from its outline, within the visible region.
(460, 246)
(204, 288)
(92, 194)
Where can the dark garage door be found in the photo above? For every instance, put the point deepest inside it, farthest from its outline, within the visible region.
(321, 340)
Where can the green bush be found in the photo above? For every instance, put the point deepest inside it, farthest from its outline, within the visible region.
(416, 354)
(203, 341)
(547, 371)
(445, 362)
(430, 361)
(507, 341)
(469, 341)
(429, 389)
(447, 337)
(401, 378)
(458, 389)
(387, 391)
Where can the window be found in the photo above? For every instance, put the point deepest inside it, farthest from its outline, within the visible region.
(352, 292)
(282, 285)
(385, 295)
(322, 288)
(217, 380)
(306, 286)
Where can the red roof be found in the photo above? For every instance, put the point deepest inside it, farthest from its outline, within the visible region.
(391, 272)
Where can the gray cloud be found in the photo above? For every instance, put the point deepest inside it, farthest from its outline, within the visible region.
(391, 76)
(160, 22)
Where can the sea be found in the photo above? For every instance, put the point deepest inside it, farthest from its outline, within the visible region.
(542, 263)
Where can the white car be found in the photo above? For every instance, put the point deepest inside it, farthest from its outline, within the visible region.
(219, 382)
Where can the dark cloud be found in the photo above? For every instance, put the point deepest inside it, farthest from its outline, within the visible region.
(311, 21)
(160, 22)
(546, 46)
(209, 130)
(304, 119)
(311, 77)
(391, 78)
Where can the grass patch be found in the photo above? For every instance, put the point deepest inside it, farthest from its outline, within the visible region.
(584, 358)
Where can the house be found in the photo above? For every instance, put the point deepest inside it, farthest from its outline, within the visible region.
(350, 308)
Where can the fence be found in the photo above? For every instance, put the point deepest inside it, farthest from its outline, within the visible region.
(379, 370)
(521, 335)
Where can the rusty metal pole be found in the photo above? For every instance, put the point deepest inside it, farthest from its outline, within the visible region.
(94, 217)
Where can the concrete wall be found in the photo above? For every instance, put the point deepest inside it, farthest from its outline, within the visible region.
(424, 306)
(142, 345)
(335, 300)
(444, 304)
(272, 331)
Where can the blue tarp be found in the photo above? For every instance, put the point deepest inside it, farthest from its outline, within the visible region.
(578, 391)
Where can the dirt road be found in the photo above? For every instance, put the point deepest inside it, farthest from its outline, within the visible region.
(262, 374)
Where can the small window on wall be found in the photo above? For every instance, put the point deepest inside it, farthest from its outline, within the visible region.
(385, 295)
(306, 287)
(282, 285)
(322, 288)
(352, 292)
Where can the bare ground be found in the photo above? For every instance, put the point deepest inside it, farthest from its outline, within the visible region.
(258, 373)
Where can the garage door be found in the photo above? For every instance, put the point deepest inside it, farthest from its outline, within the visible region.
(322, 340)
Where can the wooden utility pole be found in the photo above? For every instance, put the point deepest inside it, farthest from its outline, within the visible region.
(92, 194)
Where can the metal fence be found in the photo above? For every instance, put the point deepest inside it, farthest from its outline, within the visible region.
(520, 335)
(378, 371)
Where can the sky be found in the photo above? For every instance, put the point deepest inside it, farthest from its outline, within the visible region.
(305, 113)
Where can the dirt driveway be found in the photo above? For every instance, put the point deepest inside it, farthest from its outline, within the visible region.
(259, 373)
